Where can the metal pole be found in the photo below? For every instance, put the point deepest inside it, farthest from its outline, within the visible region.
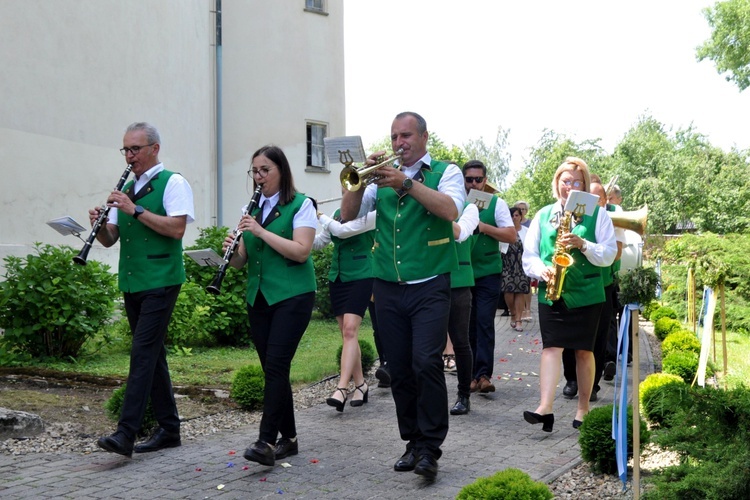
(219, 139)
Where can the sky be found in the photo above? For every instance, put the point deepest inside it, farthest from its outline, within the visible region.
(585, 69)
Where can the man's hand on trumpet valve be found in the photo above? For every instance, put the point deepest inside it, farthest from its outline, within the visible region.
(388, 176)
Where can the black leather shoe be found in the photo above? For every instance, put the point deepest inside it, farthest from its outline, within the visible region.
(160, 440)
(594, 395)
(384, 378)
(406, 463)
(117, 443)
(286, 448)
(547, 421)
(462, 406)
(427, 467)
(261, 452)
(571, 389)
(610, 368)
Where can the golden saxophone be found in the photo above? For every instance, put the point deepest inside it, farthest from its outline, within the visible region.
(561, 260)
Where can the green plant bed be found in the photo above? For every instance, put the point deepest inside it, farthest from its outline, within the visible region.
(663, 312)
(665, 326)
(680, 340)
(661, 395)
(683, 364)
(113, 406)
(367, 352)
(247, 387)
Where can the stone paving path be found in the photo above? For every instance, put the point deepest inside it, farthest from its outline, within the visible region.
(342, 455)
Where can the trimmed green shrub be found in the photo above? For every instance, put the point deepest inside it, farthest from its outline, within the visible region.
(663, 312)
(113, 407)
(661, 395)
(247, 388)
(681, 340)
(665, 326)
(649, 309)
(595, 439)
(191, 321)
(227, 317)
(368, 355)
(322, 263)
(507, 484)
(50, 306)
(684, 364)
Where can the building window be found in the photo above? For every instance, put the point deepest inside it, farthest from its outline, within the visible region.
(316, 156)
(318, 6)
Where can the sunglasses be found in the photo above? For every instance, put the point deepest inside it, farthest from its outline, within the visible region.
(474, 179)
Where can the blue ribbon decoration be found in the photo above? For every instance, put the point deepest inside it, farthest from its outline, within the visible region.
(620, 407)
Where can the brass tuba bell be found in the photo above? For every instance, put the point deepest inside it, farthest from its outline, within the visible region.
(634, 220)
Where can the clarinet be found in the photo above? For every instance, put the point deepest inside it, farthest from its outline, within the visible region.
(103, 212)
(215, 287)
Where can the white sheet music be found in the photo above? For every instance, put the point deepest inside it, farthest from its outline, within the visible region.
(581, 199)
(335, 145)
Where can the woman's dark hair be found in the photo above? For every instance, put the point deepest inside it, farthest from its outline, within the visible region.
(513, 211)
(286, 186)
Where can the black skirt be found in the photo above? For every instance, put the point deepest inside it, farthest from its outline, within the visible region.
(351, 297)
(569, 328)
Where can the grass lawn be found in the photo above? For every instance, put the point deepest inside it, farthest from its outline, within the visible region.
(212, 367)
(738, 359)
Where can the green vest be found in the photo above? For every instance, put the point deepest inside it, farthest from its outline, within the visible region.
(277, 277)
(486, 258)
(583, 284)
(410, 242)
(148, 259)
(352, 257)
(464, 275)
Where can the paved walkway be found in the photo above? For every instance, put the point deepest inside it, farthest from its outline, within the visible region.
(342, 455)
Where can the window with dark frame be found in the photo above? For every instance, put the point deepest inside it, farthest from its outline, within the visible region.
(316, 157)
(315, 5)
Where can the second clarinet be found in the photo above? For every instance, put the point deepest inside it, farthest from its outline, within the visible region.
(215, 286)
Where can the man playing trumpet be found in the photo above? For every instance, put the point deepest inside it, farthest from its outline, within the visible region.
(414, 254)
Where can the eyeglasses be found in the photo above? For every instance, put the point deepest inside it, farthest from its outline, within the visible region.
(263, 172)
(575, 184)
(474, 179)
(134, 149)
(523, 209)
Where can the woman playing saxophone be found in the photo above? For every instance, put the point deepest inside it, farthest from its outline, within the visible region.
(570, 322)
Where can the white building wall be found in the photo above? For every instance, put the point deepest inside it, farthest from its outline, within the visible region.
(77, 72)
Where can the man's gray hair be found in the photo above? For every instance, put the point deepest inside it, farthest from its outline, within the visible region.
(152, 135)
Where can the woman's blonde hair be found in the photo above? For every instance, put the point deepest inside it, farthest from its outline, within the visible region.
(571, 164)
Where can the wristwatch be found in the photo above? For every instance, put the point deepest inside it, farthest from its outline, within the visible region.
(407, 184)
(138, 211)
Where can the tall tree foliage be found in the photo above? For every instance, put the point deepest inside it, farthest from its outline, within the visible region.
(729, 45)
(496, 157)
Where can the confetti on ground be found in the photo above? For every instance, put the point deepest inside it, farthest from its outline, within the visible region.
(220, 487)
(280, 492)
(230, 464)
(232, 452)
(286, 465)
(263, 479)
(198, 469)
(245, 467)
(503, 360)
(314, 460)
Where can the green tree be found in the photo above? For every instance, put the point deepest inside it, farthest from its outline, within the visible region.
(729, 45)
(435, 146)
(496, 157)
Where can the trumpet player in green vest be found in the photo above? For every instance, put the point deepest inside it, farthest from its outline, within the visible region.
(350, 287)
(414, 254)
(571, 320)
(277, 239)
(149, 219)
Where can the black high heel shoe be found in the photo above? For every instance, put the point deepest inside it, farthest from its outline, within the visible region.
(360, 402)
(577, 423)
(547, 420)
(339, 405)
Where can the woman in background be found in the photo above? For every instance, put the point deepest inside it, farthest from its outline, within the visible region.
(514, 283)
(350, 287)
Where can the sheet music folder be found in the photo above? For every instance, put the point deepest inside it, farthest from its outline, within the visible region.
(205, 257)
(66, 225)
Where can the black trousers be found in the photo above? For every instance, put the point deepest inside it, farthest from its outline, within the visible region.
(148, 314)
(485, 295)
(412, 321)
(458, 331)
(600, 346)
(276, 331)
